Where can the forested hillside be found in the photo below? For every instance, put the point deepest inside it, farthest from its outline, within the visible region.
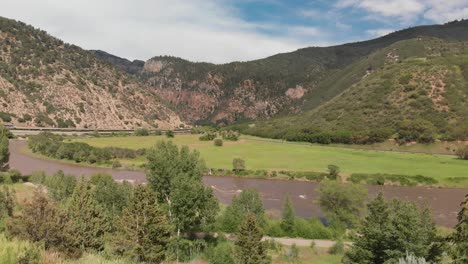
(416, 90)
(282, 84)
(46, 82)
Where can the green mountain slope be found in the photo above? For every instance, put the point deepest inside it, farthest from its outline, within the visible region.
(416, 88)
(282, 84)
(45, 82)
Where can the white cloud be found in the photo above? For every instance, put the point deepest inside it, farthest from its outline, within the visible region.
(447, 10)
(406, 12)
(199, 30)
(379, 32)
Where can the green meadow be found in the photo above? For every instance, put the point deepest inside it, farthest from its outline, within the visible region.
(276, 155)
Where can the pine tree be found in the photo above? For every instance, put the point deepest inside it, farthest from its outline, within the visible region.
(460, 237)
(392, 229)
(287, 222)
(249, 246)
(91, 222)
(143, 231)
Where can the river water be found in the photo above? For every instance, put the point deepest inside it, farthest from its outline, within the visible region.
(443, 202)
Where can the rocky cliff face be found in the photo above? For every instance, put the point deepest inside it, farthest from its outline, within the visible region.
(282, 84)
(45, 82)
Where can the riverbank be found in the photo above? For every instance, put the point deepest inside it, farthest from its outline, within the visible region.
(444, 202)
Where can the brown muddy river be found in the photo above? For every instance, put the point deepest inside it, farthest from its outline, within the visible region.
(444, 202)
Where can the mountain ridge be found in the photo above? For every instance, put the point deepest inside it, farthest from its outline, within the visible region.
(282, 84)
(46, 82)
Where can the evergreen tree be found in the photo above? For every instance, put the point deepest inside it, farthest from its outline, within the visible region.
(248, 202)
(288, 219)
(143, 231)
(460, 237)
(4, 153)
(43, 221)
(91, 222)
(249, 246)
(390, 231)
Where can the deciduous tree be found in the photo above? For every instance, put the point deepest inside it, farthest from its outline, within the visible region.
(343, 204)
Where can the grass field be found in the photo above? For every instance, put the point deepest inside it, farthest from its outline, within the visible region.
(274, 155)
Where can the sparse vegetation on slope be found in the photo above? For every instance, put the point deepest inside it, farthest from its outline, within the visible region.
(46, 82)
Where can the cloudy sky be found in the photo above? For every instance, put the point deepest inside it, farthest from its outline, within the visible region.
(221, 31)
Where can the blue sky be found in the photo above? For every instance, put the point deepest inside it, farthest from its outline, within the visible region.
(222, 31)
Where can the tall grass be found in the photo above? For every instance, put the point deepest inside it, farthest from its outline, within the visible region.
(16, 251)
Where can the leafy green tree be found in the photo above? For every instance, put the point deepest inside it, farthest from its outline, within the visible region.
(4, 153)
(166, 163)
(333, 172)
(194, 207)
(60, 186)
(176, 176)
(249, 246)
(43, 221)
(460, 236)
(238, 165)
(289, 217)
(113, 197)
(91, 222)
(343, 204)
(390, 231)
(143, 231)
(248, 202)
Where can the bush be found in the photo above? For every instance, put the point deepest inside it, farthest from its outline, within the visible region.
(116, 164)
(462, 152)
(382, 179)
(230, 135)
(16, 251)
(170, 134)
(238, 165)
(141, 132)
(208, 136)
(218, 142)
(337, 249)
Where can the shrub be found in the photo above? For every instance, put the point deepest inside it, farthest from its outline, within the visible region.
(462, 152)
(218, 142)
(141, 132)
(116, 164)
(208, 136)
(170, 134)
(230, 135)
(337, 249)
(238, 165)
(333, 172)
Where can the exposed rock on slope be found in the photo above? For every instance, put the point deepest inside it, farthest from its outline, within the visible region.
(286, 83)
(45, 82)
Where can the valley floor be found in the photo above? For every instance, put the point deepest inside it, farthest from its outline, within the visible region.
(273, 155)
